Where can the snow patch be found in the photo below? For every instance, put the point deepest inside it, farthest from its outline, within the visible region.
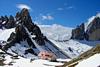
(93, 61)
(5, 34)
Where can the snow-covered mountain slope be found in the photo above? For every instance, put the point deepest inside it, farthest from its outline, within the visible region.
(23, 46)
(5, 34)
(56, 32)
(72, 48)
(59, 36)
(93, 61)
(23, 62)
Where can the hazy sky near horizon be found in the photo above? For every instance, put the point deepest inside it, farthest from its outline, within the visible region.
(64, 12)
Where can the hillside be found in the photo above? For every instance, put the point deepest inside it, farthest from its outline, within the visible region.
(86, 58)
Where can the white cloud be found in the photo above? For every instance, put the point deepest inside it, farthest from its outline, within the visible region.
(70, 7)
(64, 8)
(21, 6)
(47, 17)
(44, 17)
(50, 17)
(60, 9)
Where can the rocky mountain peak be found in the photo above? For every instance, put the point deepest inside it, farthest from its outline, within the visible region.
(23, 16)
(24, 29)
(90, 31)
(28, 35)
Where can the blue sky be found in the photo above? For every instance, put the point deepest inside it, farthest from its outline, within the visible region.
(64, 12)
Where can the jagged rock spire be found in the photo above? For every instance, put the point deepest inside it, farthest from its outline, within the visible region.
(24, 16)
(17, 16)
(24, 12)
(78, 33)
(23, 20)
(11, 22)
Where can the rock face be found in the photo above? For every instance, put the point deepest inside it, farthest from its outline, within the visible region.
(92, 32)
(6, 22)
(93, 29)
(22, 20)
(78, 33)
(10, 23)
